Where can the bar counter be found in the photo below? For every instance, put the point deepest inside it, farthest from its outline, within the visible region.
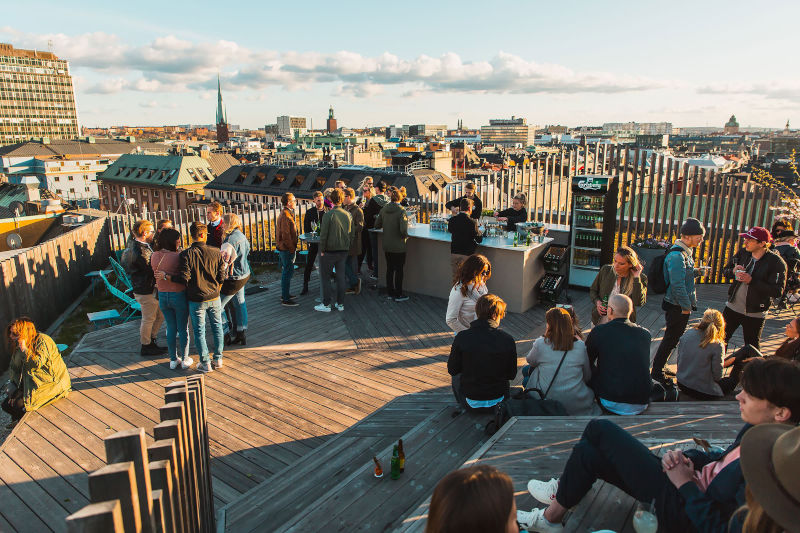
(515, 270)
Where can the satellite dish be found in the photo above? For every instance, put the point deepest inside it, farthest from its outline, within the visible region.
(14, 241)
(17, 207)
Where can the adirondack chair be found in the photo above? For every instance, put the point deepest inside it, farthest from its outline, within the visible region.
(131, 305)
(122, 276)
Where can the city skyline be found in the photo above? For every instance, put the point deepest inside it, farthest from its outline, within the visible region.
(580, 64)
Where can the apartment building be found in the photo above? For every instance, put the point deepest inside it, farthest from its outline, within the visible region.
(508, 132)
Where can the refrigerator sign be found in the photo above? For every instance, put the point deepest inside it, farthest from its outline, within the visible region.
(590, 184)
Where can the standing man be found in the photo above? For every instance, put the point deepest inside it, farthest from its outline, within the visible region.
(352, 269)
(680, 298)
(334, 243)
(759, 276)
(202, 270)
(469, 192)
(286, 244)
(214, 218)
(136, 262)
(313, 219)
(465, 234)
(373, 207)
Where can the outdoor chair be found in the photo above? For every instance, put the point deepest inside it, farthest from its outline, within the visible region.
(131, 305)
(122, 276)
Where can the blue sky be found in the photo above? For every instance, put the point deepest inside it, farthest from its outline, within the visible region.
(580, 62)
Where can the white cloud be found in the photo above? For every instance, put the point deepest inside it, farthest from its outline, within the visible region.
(775, 90)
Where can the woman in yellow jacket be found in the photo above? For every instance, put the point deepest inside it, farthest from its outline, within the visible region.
(38, 373)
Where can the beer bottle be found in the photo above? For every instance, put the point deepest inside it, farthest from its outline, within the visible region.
(401, 455)
(378, 469)
(394, 472)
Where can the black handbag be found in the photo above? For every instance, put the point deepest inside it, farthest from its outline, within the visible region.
(524, 403)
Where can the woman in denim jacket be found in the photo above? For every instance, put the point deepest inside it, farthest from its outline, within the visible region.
(238, 275)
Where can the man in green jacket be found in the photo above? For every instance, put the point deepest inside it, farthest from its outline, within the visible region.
(334, 243)
(394, 222)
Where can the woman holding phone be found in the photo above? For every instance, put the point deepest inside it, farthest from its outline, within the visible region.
(623, 276)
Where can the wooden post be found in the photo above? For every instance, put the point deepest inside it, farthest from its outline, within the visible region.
(118, 481)
(196, 384)
(176, 412)
(161, 479)
(165, 450)
(159, 511)
(102, 517)
(129, 445)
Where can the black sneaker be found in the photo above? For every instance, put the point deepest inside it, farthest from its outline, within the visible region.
(149, 351)
(289, 303)
(401, 298)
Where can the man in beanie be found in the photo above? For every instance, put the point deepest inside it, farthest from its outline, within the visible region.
(680, 298)
(759, 275)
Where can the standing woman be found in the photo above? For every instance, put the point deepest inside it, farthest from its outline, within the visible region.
(700, 354)
(623, 276)
(172, 298)
(366, 247)
(468, 286)
(161, 225)
(233, 286)
(37, 371)
(394, 221)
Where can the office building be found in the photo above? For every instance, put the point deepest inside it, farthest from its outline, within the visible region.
(291, 126)
(427, 130)
(36, 96)
(508, 132)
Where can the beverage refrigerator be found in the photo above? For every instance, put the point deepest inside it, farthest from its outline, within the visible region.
(594, 212)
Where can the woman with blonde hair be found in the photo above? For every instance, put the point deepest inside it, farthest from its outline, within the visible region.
(515, 213)
(38, 375)
(700, 354)
(236, 247)
(623, 276)
(469, 285)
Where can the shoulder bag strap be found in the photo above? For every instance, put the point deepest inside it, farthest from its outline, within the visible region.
(554, 375)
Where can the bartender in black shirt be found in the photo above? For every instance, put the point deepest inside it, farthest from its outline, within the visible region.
(515, 213)
(469, 193)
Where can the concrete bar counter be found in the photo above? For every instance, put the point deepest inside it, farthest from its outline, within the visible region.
(515, 270)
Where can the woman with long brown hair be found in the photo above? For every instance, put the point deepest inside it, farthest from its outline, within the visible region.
(239, 273)
(469, 284)
(38, 374)
(559, 362)
(623, 276)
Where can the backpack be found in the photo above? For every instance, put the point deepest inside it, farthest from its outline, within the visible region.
(656, 277)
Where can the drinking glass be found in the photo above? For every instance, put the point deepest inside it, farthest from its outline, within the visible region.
(644, 518)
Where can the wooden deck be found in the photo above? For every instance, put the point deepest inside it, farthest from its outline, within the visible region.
(294, 416)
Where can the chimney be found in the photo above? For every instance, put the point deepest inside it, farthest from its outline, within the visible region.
(31, 184)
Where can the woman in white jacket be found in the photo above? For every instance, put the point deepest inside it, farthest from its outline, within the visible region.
(469, 285)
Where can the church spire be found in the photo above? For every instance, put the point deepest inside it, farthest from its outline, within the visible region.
(222, 117)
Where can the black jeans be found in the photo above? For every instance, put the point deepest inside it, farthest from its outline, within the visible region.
(366, 249)
(697, 395)
(461, 399)
(310, 258)
(608, 452)
(729, 382)
(394, 273)
(676, 323)
(751, 327)
(9, 407)
(329, 262)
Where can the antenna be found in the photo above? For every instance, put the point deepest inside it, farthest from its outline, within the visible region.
(50, 45)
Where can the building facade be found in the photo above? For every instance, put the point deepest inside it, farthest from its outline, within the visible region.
(732, 126)
(427, 130)
(331, 124)
(508, 132)
(291, 126)
(37, 98)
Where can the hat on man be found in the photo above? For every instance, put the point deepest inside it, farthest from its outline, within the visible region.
(769, 459)
(758, 233)
(692, 226)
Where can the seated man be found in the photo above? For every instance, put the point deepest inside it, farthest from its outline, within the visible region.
(693, 490)
(619, 352)
(483, 358)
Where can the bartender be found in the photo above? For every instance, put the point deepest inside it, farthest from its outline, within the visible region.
(515, 213)
(469, 193)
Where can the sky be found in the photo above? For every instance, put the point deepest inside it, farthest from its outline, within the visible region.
(692, 63)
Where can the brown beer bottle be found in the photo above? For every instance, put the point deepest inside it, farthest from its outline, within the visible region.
(401, 456)
(378, 469)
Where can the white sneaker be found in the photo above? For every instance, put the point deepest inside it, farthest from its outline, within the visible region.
(543, 491)
(535, 522)
(205, 368)
(174, 364)
(323, 308)
(187, 362)
(340, 307)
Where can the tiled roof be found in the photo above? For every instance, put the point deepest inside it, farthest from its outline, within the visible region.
(59, 147)
(160, 170)
(220, 162)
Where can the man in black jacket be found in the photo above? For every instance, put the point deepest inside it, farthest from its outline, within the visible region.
(619, 352)
(483, 358)
(136, 262)
(759, 275)
(311, 220)
(469, 193)
(693, 490)
(202, 270)
(465, 235)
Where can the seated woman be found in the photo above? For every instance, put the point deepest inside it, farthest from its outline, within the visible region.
(624, 276)
(789, 349)
(38, 374)
(693, 490)
(469, 285)
(515, 213)
(700, 353)
(483, 358)
(559, 364)
(476, 499)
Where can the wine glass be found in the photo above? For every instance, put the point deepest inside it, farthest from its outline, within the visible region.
(644, 518)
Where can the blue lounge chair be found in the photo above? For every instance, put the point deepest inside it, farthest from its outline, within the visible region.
(131, 305)
(122, 276)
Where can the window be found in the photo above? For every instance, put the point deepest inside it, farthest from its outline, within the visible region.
(87, 189)
(155, 194)
(56, 178)
(167, 195)
(133, 190)
(70, 178)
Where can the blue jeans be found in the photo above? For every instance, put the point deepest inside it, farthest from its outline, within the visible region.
(198, 312)
(239, 308)
(526, 375)
(287, 269)
(176, 314)
(351, 271)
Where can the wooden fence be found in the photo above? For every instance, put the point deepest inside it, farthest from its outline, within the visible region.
(161, 488)
(42, 281)
(656, 194)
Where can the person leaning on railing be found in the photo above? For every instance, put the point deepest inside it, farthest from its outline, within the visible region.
(623, 276)
(38, 375)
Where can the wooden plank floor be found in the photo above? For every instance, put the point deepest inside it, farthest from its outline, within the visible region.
(303, 378)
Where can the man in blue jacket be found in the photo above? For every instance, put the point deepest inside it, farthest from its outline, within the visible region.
(680, 299)
(693, 490)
